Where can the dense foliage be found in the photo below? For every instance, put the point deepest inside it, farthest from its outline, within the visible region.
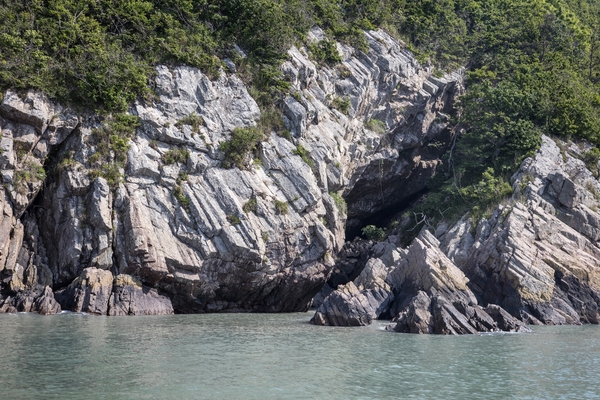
(533, 65)
(100, 53)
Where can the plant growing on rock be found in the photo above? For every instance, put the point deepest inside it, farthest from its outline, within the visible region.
(342, 104)
(111, 172)
(325, 52)
(30, 172)
(282, 207)
(591, 159)
(193, 120)
(371, 232)
(251, 205)
(181, 197)
(305, 155)
(376, 126)
(340, 203)
(234, 219)
(176, 155)
(243, 141)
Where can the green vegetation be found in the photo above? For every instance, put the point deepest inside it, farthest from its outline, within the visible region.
(282, 207)
(30, 172)
(234, 219)
(182, 177)
(325, 52)
(100, 53)
(251, 205)
(303, 153)
(340, 203)
(243, 142)
(112, 144)
(376, 126)
(371, 232)
(181, 197)
(193, 120)
(342, 104)
(591, 159)
(110, 171)
(176, 155)
(533, 68)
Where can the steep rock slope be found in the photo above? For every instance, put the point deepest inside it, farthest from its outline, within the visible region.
(174, 231)
(534, 261)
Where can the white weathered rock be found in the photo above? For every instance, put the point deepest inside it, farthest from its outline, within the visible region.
(262, 239)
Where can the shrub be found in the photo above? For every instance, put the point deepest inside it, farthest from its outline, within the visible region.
(30, 172)
(281, 207)
(193, 120)
(325, 52)
(234, 219)
(182, 177)
(343, 71)
(303, 153)
(376, 126)
(109, 171)
(340, 203)
(181, 197)
(342, 104)
(251, 205)
(176, 155)
(591, 158)
(243, 141)
(371, 232)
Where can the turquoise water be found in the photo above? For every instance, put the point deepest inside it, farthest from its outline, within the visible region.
(256, 356)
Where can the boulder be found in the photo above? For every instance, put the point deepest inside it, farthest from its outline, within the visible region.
(88, 293)
(130, 297)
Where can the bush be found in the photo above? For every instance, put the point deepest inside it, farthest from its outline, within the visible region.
(193, 120)
(251, 205)
(591, 159)
(234, 219)
(342, 104)
(181, 197)
(281, 207)
(325, 52)
(376, 126)
(176, 155)
(304, 154)
(371, 232)
(237, 149)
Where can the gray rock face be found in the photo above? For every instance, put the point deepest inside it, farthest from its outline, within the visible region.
(89, 292)
(420, 287)
(130, 297)
(357, 303)
(183, 230)
(537, 256)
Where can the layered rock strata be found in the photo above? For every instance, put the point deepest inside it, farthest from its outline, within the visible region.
(171, 229)
(535, 260)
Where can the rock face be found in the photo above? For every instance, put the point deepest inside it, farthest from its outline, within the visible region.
(538, 255)
(170, 230)
(536, 260)
(421, 287)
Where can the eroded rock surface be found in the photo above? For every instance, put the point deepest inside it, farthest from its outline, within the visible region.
(198, 237)
(534, 261)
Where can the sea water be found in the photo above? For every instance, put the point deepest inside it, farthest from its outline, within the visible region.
(282, 356)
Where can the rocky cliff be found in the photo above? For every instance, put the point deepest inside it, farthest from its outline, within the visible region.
(534, 260)
(155, 224)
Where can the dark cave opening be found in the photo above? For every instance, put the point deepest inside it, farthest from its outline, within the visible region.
(382, 217)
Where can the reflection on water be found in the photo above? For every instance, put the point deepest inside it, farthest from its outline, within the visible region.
(234, 356)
